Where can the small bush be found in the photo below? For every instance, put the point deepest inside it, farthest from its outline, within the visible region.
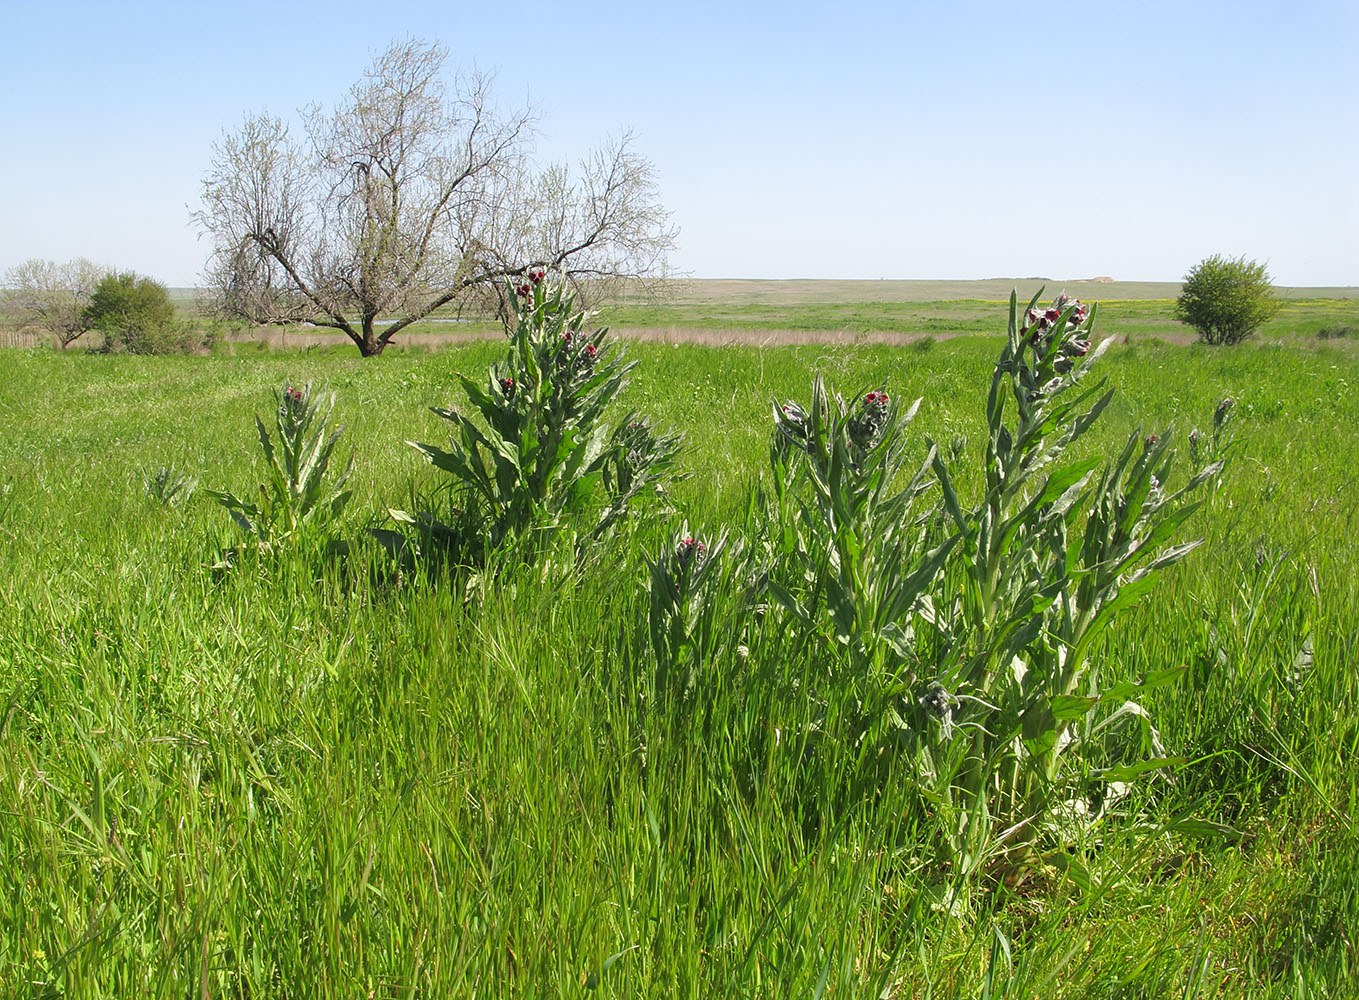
(1226, 299)
(135, 315)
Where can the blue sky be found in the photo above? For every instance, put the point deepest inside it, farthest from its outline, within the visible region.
(846, 140)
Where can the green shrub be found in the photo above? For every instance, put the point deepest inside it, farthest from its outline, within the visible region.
(960, 634)
(135, 315)
(541, 449)
(1226, 299)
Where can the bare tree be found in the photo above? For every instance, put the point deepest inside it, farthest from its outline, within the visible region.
(53, 296)
(408, 197)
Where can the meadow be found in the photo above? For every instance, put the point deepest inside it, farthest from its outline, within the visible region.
(763, 313)
(315, 775)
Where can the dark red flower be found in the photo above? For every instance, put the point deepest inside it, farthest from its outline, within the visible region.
(684, 552)
(688, 547)
(591, 352)
(1052, 315)
(524, 290)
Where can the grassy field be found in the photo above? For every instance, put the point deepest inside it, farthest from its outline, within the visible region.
(715, 312)
(801, 310)
(322, 777)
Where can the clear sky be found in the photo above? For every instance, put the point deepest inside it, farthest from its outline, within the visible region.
(830, 140)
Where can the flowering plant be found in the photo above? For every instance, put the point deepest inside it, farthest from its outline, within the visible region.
(543, 446)
(967, 629)
(297, 492)
(1049, 554)
(684, 623)
(840, 526)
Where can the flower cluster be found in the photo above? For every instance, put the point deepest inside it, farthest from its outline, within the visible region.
(292, 397)
(535, 276)
(794, 423)
(1039, 323)
(584, 358)
(1048, 335)
(507, 387)
(865, 425)
(689, 552)
(576, 354)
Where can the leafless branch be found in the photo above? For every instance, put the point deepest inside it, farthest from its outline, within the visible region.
(407, 197)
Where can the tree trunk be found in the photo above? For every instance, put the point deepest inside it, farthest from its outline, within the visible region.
(371, 345)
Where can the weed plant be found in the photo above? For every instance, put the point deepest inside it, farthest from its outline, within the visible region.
(543, 446)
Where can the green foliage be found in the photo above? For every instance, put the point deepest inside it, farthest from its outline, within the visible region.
(135, 315)
(169, 486)
(1052, 551)
(1226, 299)
(297, 494)
(967, 631)
(687, 616)
(840, 531)
(544, 451)
(1213, 447)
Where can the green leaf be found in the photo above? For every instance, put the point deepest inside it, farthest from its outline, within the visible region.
(1131, 772)
(1207, 829)
(1059, 482)
(1069, 707)
(1124, 690)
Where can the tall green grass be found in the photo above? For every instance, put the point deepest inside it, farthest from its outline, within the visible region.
(322, 777)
